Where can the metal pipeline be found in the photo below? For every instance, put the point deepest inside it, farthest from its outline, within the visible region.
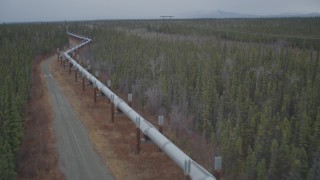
(190, 167)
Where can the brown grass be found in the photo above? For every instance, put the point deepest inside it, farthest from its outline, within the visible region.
(38, 158)
(115, 142)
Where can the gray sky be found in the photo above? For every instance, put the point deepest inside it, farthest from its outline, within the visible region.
(60, 10)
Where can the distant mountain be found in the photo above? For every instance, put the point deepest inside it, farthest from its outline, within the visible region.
(217, 14)
(224, 14)
(296, 15)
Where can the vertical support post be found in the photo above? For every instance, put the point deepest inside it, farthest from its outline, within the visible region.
(138, 135)
(70, 68)
(112, 108)
(109, 86)
(58, 53)
(160, 125)
(187, 165)
(83, 84)
(94, 92)
(130, 99)
(217, 167)
(64, 64)
(76, 75)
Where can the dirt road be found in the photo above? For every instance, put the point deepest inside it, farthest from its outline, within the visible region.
(77, 158)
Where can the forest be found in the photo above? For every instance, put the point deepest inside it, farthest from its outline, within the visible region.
(244, 89)
(249, 89)
(19, 45)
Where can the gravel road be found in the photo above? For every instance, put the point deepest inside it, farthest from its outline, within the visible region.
(77, 158)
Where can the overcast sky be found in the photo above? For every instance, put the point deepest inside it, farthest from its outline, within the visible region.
(60, 10)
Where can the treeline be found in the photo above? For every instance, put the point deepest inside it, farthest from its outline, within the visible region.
(256, 102)
(297, 32)
(294, 32)
(19, 44)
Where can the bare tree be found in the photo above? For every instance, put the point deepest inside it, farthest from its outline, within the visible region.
(154, 98)
(156, 65)
(259, 71)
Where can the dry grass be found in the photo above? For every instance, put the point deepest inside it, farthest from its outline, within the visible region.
(115, 142)
(38, 158)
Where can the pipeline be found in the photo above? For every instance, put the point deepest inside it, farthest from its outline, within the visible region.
(190, 167)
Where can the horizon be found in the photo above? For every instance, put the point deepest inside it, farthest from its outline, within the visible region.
(240, 16)
(13, 11)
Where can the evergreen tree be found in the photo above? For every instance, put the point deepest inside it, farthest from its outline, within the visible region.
(7, 170)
